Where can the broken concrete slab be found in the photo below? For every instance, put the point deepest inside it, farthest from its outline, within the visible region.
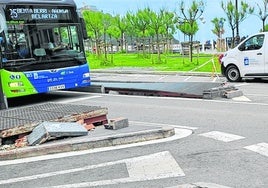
(222, 92)
(51, 130)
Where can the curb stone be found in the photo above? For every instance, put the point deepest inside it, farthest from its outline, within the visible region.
(87, 142)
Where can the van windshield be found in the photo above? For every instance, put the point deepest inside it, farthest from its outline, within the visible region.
(253, 43)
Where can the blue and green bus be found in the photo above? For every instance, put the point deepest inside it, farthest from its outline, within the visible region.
(42, 47)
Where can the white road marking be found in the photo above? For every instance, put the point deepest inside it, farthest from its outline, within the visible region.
(241, 98)
(209, 185)
(215, 79)
(188, 78)
(149, 167)
(242, 84)
(179, 133)
(257, 95)
(221, 136)
(199, 184)
(261, 148)
(155, 166)
(163, 77)
(163, 124)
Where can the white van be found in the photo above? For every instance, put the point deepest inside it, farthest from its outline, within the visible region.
(249, 59)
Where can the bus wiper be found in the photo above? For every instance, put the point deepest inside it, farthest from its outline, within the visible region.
(77, 58)
(19, 62)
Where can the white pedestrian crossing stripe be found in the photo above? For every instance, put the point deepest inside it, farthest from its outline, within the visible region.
(200, 184)
(261, 148)
(143, 168)
(221, 136)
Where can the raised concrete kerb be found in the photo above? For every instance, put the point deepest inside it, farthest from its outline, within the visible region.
(140, 71)
(89, 142)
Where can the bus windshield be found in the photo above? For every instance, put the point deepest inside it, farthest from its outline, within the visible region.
(40, 37)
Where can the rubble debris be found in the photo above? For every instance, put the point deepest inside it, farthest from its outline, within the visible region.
(89, 127)
(117, 123)
(21, 142)
(7, 147)
(52, 130)
(222, 92)
(17, 121)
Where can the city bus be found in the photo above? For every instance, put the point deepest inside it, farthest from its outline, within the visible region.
(42, 47)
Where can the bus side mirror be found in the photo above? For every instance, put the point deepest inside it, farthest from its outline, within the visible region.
(1, 55)
(84, 29)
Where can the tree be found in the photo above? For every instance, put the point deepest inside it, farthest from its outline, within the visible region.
(263, 13)
(121, 24)
(236, 16)
(169, 20)
(140, 22)
(107, 22)
(114, 33)
(188, 20)
(94, 27)
(187, 28)
(156, 24)
(219, 31)
(218, 26)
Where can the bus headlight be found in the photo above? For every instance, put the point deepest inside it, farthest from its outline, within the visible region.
(15, 84)
(86, 75)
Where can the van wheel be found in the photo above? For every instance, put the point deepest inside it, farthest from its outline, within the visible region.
(233, 74)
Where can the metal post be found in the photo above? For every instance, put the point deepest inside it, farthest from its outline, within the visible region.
(237, 24)
(3, 100)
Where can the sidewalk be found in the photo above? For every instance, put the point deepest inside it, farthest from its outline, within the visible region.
(133, 70)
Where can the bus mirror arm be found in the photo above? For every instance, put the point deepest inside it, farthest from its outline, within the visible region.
(84, 29)
(1, 55)
(3, 100)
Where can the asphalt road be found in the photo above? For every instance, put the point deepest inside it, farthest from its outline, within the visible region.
(228, 147)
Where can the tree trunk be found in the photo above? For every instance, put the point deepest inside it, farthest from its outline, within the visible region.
(158, 48)
(191, 48)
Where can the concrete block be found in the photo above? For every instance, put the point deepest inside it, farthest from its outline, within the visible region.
(117, 123)
(51, 130)
(233, 93)
(211, 93)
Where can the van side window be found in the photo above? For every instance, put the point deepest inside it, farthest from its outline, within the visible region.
(253, 43)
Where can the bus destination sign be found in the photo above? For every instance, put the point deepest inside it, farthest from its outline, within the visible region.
(38, 13)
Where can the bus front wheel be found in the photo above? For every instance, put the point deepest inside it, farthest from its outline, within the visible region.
(233, 74)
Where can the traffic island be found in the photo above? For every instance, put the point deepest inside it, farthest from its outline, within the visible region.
(99, 138)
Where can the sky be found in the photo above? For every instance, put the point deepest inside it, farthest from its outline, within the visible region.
(213, 9)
